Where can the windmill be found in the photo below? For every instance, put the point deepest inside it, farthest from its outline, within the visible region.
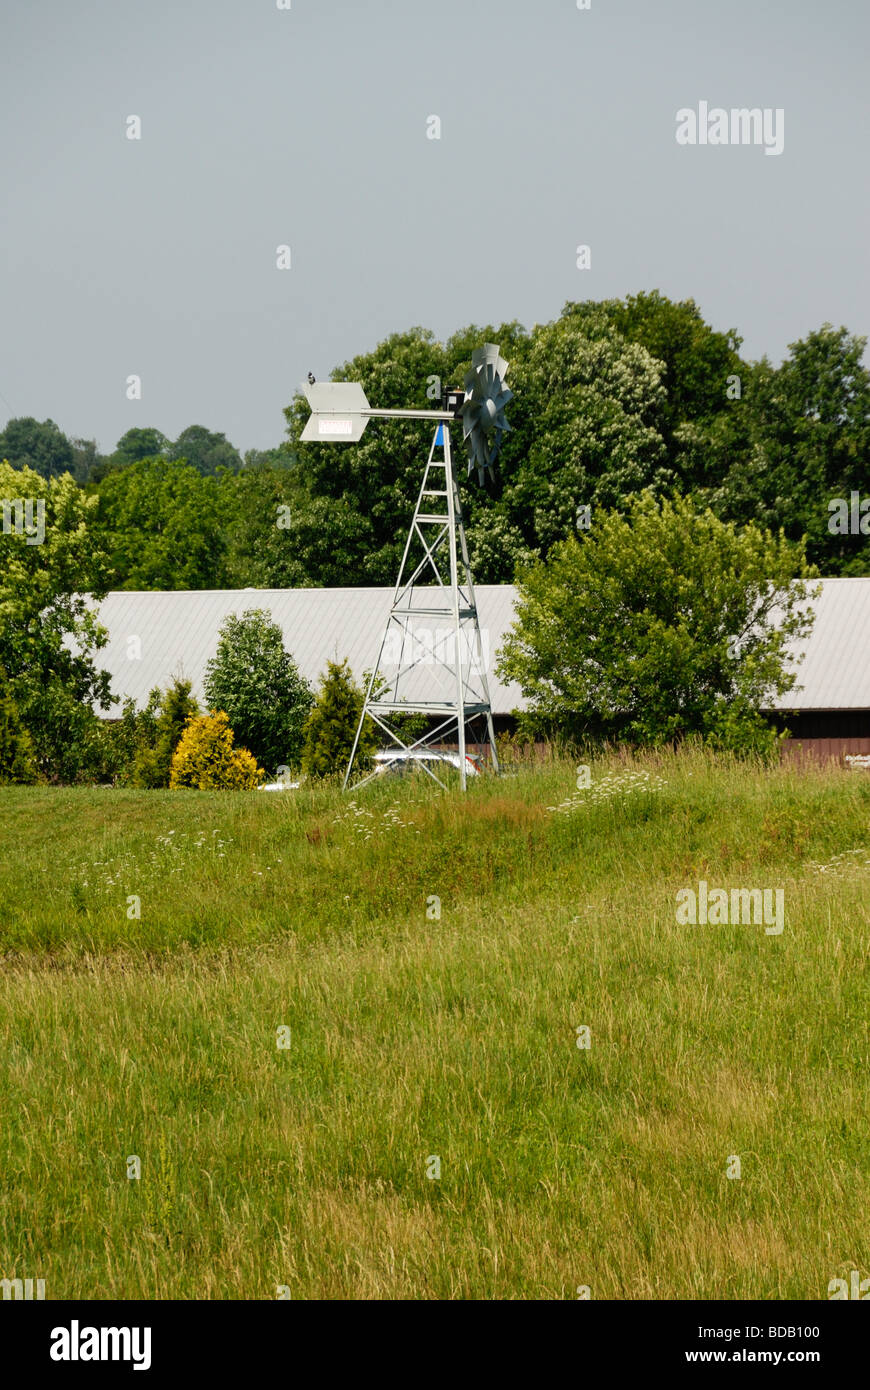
(423, 668)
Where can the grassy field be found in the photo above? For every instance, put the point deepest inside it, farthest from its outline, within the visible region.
(414, 1038)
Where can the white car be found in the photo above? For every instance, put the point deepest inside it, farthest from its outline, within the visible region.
(400, 761)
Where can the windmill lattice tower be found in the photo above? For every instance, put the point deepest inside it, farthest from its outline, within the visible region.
(432, 659)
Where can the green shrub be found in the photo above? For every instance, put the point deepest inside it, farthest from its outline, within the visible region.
(16, 747)
(332, 724)
(153, 759)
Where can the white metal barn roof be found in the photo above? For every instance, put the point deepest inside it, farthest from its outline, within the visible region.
(178, 634)
(835, 671)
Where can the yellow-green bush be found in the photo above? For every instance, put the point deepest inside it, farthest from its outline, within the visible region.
(205, 757)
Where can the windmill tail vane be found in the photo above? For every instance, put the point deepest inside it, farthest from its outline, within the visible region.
(340, 410)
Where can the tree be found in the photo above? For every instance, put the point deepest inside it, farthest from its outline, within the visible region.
(588, 427)
(161, 523)
(88, 463)
(279, 457)
(256, 681)
(279, 537)
(27, 443)
(141, 442)
(16, 746)
(49, 633)
(332, 724)
(803, 440)
(127, 738)
(612, 398)
(365, 492)
(657, 625)
(697, 360)
(588, 410)
(206, 758)
(169, 715)
(205, 450)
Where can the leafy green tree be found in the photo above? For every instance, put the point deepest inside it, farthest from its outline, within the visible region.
(49, 633)
(366, 492)
(16, 746)
(657, 625)
(126, 738)
(141, 442)
(205, 450)
(162, 525)
(588, 410)
(279, 457)
(332, 724)
(256, 681)
(87, 461)
(42, 446)
(279, 537)
(496, 546)
(799, 439)
(601, 397)
(165, 720)
(697, 361)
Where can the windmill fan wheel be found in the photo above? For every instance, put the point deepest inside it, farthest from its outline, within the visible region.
(483, 415)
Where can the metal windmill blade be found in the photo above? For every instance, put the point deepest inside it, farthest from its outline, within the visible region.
(482, 411)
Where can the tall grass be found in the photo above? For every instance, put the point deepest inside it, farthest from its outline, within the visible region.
(415, 1037)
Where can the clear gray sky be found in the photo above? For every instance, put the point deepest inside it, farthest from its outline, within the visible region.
(308, 127)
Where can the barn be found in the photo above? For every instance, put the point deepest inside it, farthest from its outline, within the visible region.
(155, 637)
(828, 714)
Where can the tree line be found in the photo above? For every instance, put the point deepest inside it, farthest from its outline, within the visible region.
(612, 399)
